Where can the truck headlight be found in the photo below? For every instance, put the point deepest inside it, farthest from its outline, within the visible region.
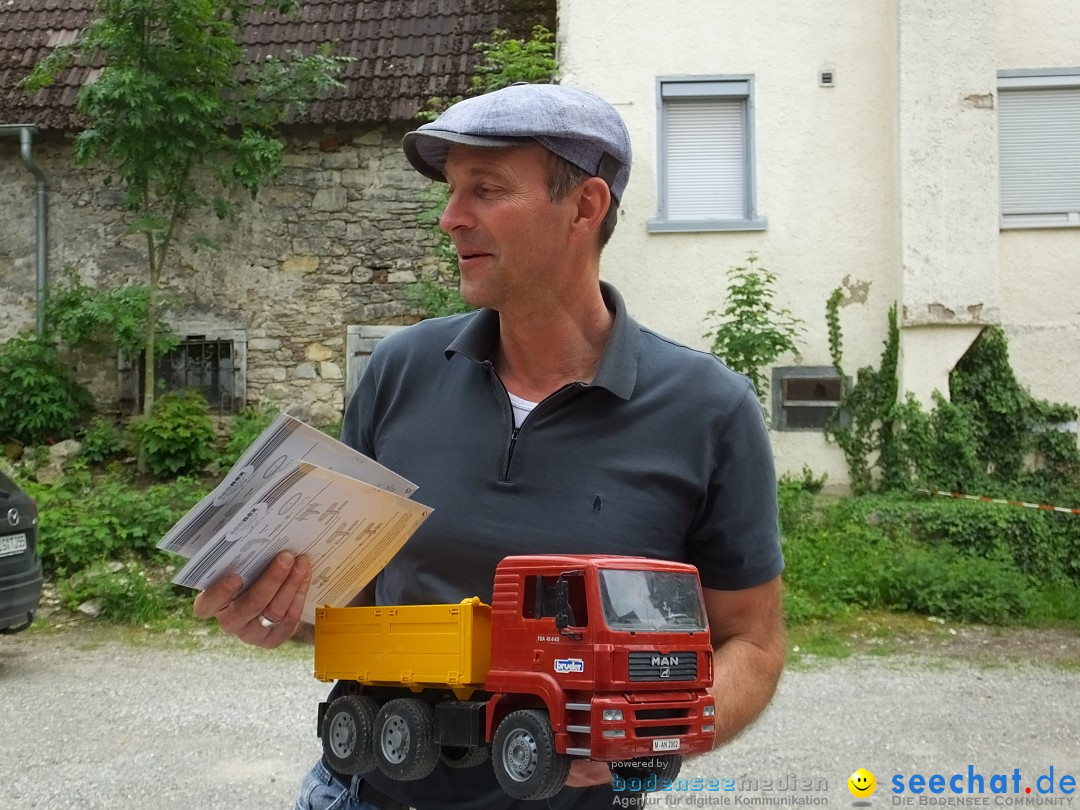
(708, 711)
(612, 715)
(708, 728)
(616, 733)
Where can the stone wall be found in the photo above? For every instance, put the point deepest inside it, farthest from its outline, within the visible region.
(334, 241)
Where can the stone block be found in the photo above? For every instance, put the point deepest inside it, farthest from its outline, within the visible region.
(330, 371)
(330, 199)
(271, 374)
(304, 371)
(263, 344)
(300, 264)
(317, 352)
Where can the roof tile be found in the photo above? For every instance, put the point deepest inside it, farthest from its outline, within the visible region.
(405, 51)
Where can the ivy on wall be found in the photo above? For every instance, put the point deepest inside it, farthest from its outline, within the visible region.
(990, 437)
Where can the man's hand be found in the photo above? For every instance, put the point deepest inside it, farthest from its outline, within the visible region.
(277, 596)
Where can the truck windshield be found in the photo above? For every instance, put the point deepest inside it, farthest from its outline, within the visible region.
(651, 601)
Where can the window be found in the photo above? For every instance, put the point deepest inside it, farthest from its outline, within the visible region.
(805, 397)
(1039, 147)
(541, 598)
(215, 364)
(706, 156)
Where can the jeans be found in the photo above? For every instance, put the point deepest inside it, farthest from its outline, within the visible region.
(321, 791)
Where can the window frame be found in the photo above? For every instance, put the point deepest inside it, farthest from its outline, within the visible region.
(131, 369)
(1018, 81)
(782, 373)
(739, 87)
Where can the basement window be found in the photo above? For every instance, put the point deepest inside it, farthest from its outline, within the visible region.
(805, 398)
(214, 364)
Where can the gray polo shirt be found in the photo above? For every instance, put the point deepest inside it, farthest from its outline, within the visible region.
(664, 454)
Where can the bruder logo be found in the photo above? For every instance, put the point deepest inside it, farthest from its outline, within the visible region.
(569, 665)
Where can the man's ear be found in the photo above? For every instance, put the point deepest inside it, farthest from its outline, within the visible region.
(593, 200)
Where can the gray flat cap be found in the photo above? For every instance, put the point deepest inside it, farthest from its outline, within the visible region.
(577, 126)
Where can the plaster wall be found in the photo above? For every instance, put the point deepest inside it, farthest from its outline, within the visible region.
(1040, 296)
(825, 163)
(885, 184)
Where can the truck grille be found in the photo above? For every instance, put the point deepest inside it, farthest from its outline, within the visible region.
(653, 666)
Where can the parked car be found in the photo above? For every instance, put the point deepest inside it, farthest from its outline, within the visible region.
(20, 566)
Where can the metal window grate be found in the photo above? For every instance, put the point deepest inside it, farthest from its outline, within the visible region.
(209, 365)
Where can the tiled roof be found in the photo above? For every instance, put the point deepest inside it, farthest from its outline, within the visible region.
(405, 51)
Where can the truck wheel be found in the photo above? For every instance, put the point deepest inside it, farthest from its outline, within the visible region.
(346, 734)
(664, 767)
(457, 757)
(524, 757)
(405, 746)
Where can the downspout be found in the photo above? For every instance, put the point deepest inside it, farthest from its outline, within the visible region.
(41, 258)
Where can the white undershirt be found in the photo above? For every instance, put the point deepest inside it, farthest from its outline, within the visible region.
(522, 408)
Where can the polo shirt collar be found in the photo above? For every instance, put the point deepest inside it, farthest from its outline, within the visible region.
(617, 371)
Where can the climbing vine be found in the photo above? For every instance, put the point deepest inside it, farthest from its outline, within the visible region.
(991, 436)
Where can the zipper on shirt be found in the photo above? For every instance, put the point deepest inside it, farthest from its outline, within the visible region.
(516, 429)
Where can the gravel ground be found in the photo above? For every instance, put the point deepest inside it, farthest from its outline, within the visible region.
(92, 721)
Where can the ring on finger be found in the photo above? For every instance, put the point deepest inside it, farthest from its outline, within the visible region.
(267, 623)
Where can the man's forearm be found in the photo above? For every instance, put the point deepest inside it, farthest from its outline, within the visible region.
(748, 638)
(744, 681)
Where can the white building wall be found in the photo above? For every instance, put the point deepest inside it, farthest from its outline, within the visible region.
(885, 184)
(825, 166)
(1040, 268)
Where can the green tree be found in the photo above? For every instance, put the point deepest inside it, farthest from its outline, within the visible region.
(177, 101)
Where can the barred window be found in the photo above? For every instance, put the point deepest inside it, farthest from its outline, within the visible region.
(214, 364)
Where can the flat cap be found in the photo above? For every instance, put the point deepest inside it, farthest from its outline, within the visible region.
(575, 125)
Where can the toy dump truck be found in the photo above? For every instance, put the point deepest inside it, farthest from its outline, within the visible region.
(602, 657)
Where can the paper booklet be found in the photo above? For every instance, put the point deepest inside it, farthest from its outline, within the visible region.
(298, 489)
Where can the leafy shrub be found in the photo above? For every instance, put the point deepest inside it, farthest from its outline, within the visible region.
(244, 428)
(124, 592)
(100, 320)
(40, 398)
(102, 441)
(751, 332)
(86, 519)
(178, 436)
(949, 558)
(940, 581)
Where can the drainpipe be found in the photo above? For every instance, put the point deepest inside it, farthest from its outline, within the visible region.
(41, 258)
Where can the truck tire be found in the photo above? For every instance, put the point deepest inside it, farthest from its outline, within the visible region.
(663, 768)
(456, 757)
(405, 746)
(346, 734)
(524, 757)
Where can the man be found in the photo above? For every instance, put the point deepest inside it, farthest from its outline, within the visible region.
(548, 421)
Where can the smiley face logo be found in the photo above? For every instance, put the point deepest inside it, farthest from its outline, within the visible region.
(862, 783)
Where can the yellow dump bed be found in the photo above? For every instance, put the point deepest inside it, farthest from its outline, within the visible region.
(412, 645)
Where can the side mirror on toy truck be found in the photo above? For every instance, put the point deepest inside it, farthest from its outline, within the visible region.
(601, 657)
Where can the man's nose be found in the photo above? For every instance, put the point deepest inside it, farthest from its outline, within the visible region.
(455, 214)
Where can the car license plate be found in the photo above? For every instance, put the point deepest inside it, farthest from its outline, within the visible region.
(665, 745)
(12, 544)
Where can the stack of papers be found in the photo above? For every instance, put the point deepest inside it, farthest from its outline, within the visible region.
(299, 490)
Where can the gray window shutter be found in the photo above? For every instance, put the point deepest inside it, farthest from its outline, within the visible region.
(706, 158)
(1039, 145)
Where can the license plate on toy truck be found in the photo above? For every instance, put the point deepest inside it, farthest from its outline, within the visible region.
(665, 745)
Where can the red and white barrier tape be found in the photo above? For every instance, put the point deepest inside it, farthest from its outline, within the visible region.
(984, 499)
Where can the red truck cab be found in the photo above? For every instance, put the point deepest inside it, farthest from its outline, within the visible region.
(618, 648)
